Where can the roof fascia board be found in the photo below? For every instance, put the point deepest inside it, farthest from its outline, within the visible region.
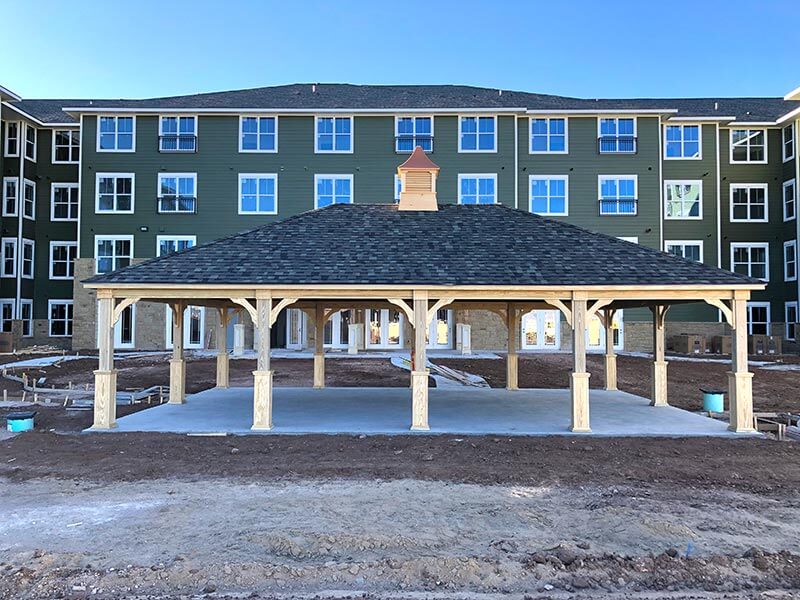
(35, 120)
(297, 111)
(687, 118)
(4, 91)
(604, 111)
(793, 95)
(790, 115)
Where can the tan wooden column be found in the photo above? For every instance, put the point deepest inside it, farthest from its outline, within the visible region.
(262, 376)
(177, 364)
(419, 371)
(512, 358)
(223, 360)
(610, 356)
(579, 381)
(319, 347)
(740, 381)
(658, 396)
(105, 378)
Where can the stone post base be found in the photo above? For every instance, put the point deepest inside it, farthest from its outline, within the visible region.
(319, 371)
(512, 372)
(658, 395)
(262, 401)
(419, 401)
(579, 391)
(223, 370)
(740, 391)
(177, 381)
(611, 372)
(105, 400)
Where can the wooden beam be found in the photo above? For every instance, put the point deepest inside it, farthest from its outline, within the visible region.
(119, 308)
(440, 303)
(276, 310)
(245, 304)
(565, 310)
(725, 309)
(407, 310)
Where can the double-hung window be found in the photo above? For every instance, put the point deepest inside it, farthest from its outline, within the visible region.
(66, 146)
(177, 134)
(9, 257)
(59, 318)
(258, 193)
(334, 135)
(26, 316)
(682, 141)
(790, 309)
(787, 139)
(64, 202)
(477, 188)
(116, 134)
(477, 134)
(12, 139)
(167, 244)
(683, 199)
(29, 199)
(616, 135)
(749, 202)
(177, 193)
(7, 312)
(62, 259)
(411, 132)
(548, 135)
(27, 258)
(332, 189)
(258, 134)
(790, 260)
(115, 193)
(789, 200)
(690, 250)
(758, 318)
(10, 196)
(549, 195)
(618, 194)
(30, 143)
(112, 252)
(751, 259)
(748, 146)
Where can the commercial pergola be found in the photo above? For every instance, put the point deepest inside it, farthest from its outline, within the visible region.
(418, 257)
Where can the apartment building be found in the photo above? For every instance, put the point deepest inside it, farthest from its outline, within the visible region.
(93, 185)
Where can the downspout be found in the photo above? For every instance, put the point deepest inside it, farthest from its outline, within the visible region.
(22, 133)
(80, 200)
(660, 185)
(796, 216)
(719, 202)
(516, 162)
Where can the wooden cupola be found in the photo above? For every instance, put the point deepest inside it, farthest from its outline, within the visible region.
(418, 182)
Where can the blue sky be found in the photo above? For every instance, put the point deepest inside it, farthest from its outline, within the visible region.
(580, 48)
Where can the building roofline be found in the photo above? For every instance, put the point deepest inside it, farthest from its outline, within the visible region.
(277, 110)
(39, 122)
(4, 91)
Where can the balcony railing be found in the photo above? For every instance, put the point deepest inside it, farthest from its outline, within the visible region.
(619, 206)
(177, 143)
(407, 143)
(616, 144)
(177, 205)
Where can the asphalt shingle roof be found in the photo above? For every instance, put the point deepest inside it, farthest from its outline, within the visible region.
(347, 96)
(456, 245)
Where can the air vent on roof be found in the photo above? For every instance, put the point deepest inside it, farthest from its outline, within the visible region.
(716, 105)
(418, 182)
(313, 88)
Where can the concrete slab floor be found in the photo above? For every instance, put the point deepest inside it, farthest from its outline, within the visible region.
(468, 411)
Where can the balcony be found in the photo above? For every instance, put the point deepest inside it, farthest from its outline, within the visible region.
(619, 206)
(617, 144)
(183, 205)
(177, 143)
(406, 143)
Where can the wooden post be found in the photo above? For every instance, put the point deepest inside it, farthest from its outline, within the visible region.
(262, 376)
(512, 358)
(419, 371)
(319, 349)
(610, 357)
(740, 381)
(659, 389)
(579, 382)
(223, 360)
(105, 378)
(177, 364)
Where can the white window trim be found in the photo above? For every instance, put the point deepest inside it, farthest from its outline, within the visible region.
(175, 238)
(131, 176)
(668, 243)
(112, 238)
(273, 176)
(53, 187)
(791, 127)
(601, 178)
(786, 307)
(790, 244)
(6, 153)
(748, 162)
(635, 135)
(21, 201)
(50, 304)
(396, 133)
(760, 186)
(766, 305)
(192, 176)
(16, 201)
(26, 302)
(532, 178)
(3, 242)
(334, 151)
(699, 141)
(633, 239)
(667, 183)
(764, 245)
(53, 148)
(548, 119)
(257, 151)
(53, 244)
(397, 183)
(177, 116)
(319, 176)
(35, 143)
(26, 243)
(133, 133)
(477, 151)
(479, 176)
(786, 184)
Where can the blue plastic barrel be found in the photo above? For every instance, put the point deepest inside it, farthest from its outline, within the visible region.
(713, 400)
(20, 421)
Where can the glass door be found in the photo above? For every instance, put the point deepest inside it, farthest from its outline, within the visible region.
(541, 330)
(596, 333)
(194, 321)
(295, 329)
(337, 329)
(384, 328)
(440, 333)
